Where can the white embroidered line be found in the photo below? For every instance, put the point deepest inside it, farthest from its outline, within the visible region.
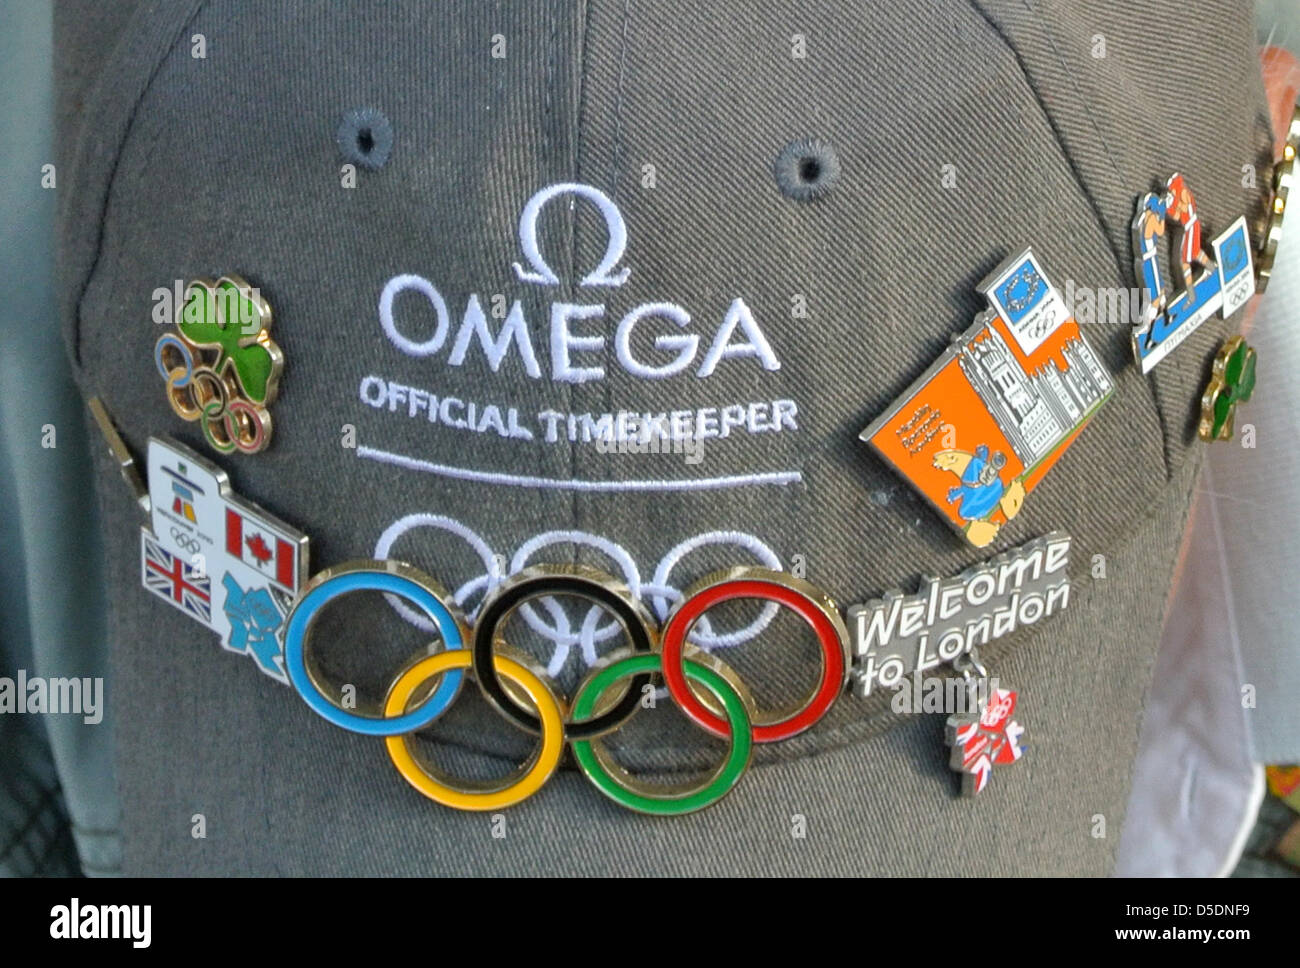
(559, 484)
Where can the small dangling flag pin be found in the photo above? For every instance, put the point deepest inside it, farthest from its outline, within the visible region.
(986, 736)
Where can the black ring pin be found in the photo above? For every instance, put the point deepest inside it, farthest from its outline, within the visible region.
(582, 582)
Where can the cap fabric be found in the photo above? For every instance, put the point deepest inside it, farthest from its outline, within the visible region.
(677, 113)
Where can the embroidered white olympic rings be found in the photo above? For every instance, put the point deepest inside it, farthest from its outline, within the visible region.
(658, 593)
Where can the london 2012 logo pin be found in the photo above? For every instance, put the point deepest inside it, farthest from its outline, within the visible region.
(982, 426)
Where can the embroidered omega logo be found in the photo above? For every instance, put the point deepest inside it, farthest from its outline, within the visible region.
(737, 336)
(574, 339)
(603, 274)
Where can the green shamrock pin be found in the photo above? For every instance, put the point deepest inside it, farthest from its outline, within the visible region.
(221, 366)
(1231, 382)
(231, 317)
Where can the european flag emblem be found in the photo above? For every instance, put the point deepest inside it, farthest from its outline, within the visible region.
(1022, 291)
(1234, 255)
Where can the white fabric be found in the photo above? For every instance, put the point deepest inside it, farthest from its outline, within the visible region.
(1195, 788)
(1255, 494)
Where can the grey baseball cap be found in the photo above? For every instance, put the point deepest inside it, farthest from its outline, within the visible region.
(793, 204)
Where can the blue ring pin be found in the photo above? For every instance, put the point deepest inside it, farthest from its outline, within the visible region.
(381, 577)
(179, 345)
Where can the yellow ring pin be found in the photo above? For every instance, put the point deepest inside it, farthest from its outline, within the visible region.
(477, 795)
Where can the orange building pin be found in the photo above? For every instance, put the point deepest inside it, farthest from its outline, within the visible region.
(982, 426)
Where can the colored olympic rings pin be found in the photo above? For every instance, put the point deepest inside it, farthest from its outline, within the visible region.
(805, 600)
(594, 586)
(705, 688)
(397, 579)
(487, 795)
(652, 798)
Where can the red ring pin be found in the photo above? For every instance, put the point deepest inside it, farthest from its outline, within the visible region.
(801, 597)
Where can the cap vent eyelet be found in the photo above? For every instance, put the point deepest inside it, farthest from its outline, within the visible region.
(806, 169)
(365, 138)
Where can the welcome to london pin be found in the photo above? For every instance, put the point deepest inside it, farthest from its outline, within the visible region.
(983, 425)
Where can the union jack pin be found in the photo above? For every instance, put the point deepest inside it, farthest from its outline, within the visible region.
(174, 580)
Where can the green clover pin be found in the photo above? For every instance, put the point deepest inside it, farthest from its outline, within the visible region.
(231, 317)
(1231, 382)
